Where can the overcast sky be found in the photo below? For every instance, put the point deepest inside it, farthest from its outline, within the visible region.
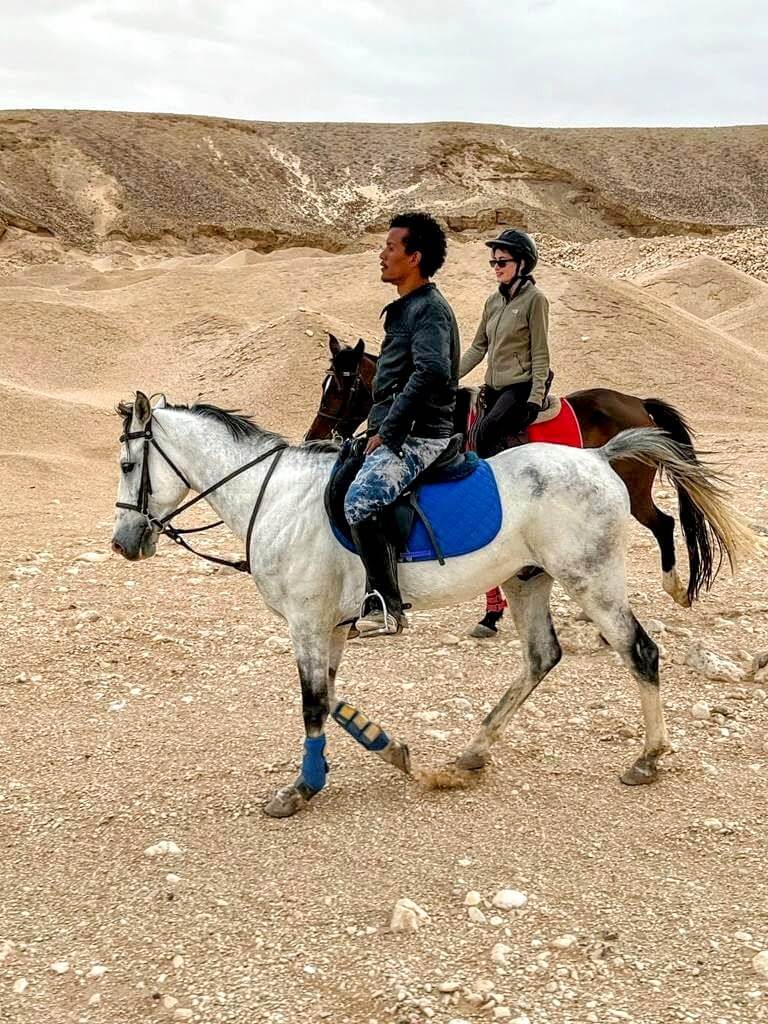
(520, 62)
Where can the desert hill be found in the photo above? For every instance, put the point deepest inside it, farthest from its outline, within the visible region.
(250, 331)
(704, 286)
(89, 179)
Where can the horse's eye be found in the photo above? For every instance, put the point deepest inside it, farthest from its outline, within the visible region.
(127, 467)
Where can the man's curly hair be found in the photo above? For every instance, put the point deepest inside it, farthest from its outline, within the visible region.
(424, 236)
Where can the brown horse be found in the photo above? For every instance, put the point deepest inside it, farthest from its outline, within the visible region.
(347, 398)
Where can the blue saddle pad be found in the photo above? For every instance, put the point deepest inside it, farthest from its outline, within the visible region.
(465, 515)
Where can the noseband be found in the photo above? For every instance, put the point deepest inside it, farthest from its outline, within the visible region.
(163, 525)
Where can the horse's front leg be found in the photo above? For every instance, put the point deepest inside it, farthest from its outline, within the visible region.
(312, 654)
(367, 733)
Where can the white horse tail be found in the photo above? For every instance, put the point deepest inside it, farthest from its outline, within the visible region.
(721, 530)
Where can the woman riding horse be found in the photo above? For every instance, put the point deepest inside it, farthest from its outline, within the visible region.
(513, 334)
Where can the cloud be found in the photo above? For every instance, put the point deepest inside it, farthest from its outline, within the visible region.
(551, 62)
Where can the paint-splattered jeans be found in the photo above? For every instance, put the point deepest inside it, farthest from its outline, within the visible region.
(384, 476)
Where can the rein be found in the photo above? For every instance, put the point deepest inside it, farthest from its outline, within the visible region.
(175, 533)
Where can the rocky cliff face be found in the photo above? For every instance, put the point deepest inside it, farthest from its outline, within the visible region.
(89, 179)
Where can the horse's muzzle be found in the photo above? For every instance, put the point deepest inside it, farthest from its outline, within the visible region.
(135, 540)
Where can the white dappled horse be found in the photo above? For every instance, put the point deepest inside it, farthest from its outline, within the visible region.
(565, 518)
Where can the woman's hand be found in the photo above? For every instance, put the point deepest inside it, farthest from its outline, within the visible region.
(521, 416)
(533, 409)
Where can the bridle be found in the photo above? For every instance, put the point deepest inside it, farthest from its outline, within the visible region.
(338, 419)
(163, 525)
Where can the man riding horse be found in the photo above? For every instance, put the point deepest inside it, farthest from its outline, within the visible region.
(414, 395)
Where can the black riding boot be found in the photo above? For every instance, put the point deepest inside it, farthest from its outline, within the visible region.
(382, 610)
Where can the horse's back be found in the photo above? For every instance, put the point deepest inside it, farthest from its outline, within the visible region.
(536, 475)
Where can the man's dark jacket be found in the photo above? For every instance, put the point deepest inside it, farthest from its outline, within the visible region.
(414, 390)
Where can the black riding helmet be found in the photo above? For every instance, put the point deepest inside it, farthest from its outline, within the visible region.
(519, 244)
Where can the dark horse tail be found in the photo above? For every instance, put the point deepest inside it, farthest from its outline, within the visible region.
(705, 550)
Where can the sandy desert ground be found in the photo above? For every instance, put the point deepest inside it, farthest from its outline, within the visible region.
(157, 701)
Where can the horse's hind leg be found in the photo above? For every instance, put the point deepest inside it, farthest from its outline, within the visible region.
(367, 733)
(529, 604)
(604, 600)
(639, 482)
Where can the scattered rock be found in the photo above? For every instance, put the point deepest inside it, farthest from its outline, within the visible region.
(162, 848)
(509, 899)
(178, 962)
(473, 899)
(565, 941)
(88, 615)
(60, 966)
(655, 627)
(97, 971)
(713, 666)
(499, 954)
(448, 987)
(93, 556)
(407, 916)
(20, 986)
(428, 716)
(713, 824)
(476, 916)
(700, 711)
(278, 644)
(760, 963)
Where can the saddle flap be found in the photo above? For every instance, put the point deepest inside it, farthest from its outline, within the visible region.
(431, 521)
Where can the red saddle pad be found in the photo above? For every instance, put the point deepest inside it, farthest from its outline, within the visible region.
(563, 429)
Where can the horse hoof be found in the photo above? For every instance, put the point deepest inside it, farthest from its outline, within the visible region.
(640, 774)
(470, 762)
(481, 632)
(399, 757)
(285, 803)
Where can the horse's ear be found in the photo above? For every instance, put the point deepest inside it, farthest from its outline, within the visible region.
(334, 344)
(161, 402)
(141, 407)
(359, 348)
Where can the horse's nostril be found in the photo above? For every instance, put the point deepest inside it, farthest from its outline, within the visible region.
(118, 548)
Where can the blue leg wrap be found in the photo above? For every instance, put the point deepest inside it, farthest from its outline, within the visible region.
(314, 767)
(360, 728)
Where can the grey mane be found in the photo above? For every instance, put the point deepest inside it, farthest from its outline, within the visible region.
(239, 425)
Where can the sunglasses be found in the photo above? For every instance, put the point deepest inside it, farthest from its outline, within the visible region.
(500, 263)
